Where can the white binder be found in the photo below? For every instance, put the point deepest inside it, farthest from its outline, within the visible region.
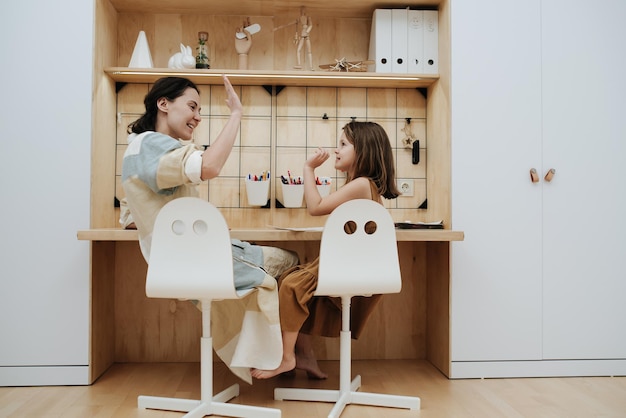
(415, 41)
(431, 42)
(399, 48)
(380, 41)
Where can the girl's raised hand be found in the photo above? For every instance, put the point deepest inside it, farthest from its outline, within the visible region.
(317, 159)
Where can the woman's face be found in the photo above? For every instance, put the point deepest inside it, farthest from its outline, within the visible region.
(344, 154)
(182, 115)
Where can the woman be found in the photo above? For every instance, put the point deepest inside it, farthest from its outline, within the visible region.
(159, 167)
(364, 154)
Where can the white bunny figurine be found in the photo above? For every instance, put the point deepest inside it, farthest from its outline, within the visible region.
(182, 59)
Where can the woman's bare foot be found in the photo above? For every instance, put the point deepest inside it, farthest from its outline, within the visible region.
(288, 363)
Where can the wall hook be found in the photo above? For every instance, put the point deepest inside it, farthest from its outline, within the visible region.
(325, 116)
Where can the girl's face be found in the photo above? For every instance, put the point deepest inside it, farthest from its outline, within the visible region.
(344, 154)
(182, 115)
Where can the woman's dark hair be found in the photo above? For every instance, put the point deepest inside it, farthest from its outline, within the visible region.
(168, 87)
(373, 156)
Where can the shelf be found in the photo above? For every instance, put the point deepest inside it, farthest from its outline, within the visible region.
(116, 234)
(275, 78)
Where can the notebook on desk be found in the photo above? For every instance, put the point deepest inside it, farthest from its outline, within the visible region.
(419, 225)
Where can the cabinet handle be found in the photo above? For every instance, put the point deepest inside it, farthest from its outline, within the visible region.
(534, 177)
(549, 175)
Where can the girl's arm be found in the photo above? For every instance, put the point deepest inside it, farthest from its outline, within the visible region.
(358, 188)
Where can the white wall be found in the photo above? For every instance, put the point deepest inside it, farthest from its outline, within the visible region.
(45, 120)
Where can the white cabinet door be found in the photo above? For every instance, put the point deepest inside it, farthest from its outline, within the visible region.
(584, 207)
(496, 140)
(45, 172)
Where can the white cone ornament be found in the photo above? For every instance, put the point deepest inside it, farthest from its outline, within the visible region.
(141, 54)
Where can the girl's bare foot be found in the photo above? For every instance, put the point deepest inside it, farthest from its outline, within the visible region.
(311, 368)
(305, 360)
(288, 363)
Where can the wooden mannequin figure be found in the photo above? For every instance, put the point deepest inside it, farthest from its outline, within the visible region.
(306, 25)
(243, 44)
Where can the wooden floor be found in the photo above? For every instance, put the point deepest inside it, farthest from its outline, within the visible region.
(115, 393)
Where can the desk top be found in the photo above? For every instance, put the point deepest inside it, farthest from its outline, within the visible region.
(271, 234)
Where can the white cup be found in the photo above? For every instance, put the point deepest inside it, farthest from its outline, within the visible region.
(292, 195)
(257, 192)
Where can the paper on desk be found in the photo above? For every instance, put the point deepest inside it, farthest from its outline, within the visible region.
(301, 229)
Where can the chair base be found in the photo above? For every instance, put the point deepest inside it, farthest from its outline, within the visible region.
(344, 398)
(216, 406)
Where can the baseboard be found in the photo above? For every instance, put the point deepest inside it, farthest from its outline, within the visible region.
(540, 368)
(44, 375)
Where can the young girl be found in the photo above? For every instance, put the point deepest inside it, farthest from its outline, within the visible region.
(364, 154)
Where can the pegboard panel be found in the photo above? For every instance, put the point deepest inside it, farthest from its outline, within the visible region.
(281, 127)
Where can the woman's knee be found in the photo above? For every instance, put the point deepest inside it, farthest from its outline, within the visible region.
(277, 260)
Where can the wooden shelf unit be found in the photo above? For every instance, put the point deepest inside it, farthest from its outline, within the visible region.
(119, 306)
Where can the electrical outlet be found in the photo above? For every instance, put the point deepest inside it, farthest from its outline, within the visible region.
(406, 187)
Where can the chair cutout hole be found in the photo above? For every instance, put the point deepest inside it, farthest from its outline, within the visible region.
(200, 227)
(370, 227)
(349, 227)
(178, 227)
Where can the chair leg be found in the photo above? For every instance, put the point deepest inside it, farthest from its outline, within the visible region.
(348, 389)
(209, 404)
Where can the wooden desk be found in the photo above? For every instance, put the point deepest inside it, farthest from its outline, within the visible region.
(126, 326)
(272, 234)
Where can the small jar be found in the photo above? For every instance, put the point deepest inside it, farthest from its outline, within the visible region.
(202, 59)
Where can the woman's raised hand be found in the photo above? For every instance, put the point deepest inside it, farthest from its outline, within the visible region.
(232, 99)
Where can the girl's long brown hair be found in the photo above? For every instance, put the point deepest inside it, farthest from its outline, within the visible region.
(373, 156)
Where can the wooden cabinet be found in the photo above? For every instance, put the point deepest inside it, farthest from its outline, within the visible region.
(340, 30)
(537, 285)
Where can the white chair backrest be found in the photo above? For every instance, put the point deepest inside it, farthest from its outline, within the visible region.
(191, 256)
(359, 263)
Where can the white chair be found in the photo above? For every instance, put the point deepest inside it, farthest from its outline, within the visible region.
(359, 263)
(191, 258)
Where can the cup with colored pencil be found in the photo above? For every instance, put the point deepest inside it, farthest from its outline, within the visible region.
(257, 188)
(323, 185)
(293, 190)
